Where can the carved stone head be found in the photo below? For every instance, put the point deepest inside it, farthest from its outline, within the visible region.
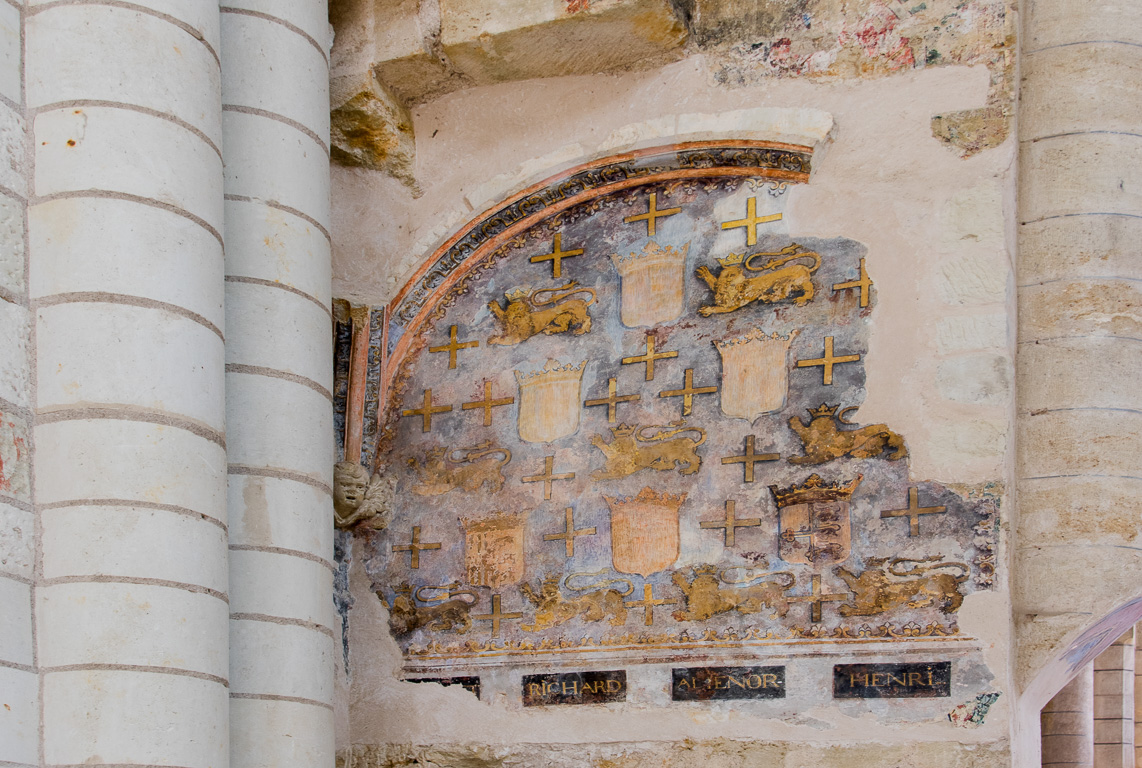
(358, 497)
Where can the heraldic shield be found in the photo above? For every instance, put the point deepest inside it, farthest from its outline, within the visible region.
(754, 373)
(493, 550)
(644, 531)
(653, 284)
(549, 402)
(814, 521)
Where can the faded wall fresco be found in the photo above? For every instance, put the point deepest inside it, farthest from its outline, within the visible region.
(631, 434)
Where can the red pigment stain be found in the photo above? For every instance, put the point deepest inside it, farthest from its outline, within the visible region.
(574, 6)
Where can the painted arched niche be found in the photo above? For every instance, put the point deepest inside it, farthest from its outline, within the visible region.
(621, 410)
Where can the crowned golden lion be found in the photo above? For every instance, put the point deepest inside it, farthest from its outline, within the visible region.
(823, 439)
(526, 314)
(733, 290)
(632, 449)
(553, 609)
(883, 585)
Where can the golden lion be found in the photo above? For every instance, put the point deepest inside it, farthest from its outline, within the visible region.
(733, 290)
(631, 450)
(447, 614)
(823, 440)
(706, 598)
(552, 609)
(882, 586)
(443, 472)
(523, 317)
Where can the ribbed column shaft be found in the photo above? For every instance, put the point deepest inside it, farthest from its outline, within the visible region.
(126, 260)
(1079, 421)
(1067, 724)
(19, 678)
(1114, 705)
(279, 381)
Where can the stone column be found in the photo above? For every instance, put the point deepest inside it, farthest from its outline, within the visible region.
(1114, 705)
(1067, 724)
(125, 242)
(278, 381)
(1079, 285)
(19, 679)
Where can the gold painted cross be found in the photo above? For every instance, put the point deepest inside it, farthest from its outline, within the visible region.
(569, 533)
(863, 283)
(487, 403)
(453, 346)
(751, 221)
(426, 411)
(496, 616)
(816, 598)
(612, 400)
(648, 602)
(652, 215)
(749, 458)
(828, 361)
(731, 524)
(415, 547)
(649, 357)
(913, 511)
(687, 392)
(547, 478)
(557, 255)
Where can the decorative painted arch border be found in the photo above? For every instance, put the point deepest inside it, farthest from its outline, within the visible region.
(410, 312)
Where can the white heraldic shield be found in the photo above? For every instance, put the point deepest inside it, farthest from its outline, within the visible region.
(652, 284)
(754, 374)
(549, 402)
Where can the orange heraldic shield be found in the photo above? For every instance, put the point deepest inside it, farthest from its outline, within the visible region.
(644, 531)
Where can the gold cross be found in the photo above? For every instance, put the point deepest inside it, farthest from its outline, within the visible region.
(913, 511)
(749, 458)
(828, 361)
(687, 393)
(426, 411)
(731, 524)
(649, 357)
(487, 403)
(496, 616)
(569, 533)
(452, 346)
(863, 283)
(547, 478)
(652, 215)
(612, 400)
(816, 598)
(648, 602)
(751, 221)
(557, 255)
(415, 547)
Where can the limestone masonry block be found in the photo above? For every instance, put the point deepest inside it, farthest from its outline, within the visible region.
(281, 585)
(79, 245)
(1079, 174)
(280, 330)
(12, 154)
(281, 732)
(1090, 246)
(16, 629)
(717, 21)
(14, 373)
(307, 16)
(1051, 23)
(962, 333)
(10, 53)
(12, 276)
(136, 624)
(201, 17)
(164, 362)
(17, 529)
(260, 650)
(1052, 582)
(521, 39)
(1066, 511)
(273, 68)
(1085, 373)
(109, 459)
(974, 278)
(20, 718)
(1067, 90)
(1080, 442)
(67, 60)
(14, 457)
(975, 379)
(272, 244)
(274, 512)
(370, 128)
(1098, 307)
(104, 148)
(132, 542)
(140, 718)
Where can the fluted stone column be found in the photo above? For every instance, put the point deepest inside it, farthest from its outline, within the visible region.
(1067, 724)
(1114, 705)
(19, 678)
(279, 380)
(125, 240)
(1079, 423)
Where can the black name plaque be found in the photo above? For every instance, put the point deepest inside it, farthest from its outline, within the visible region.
(892, 681)
(720, 683)
(575, 688)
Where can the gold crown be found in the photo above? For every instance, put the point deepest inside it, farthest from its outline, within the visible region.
(757, 335)
(824, 410)
(499, 521)
(705, 570)
(518, 293)
(733, 258)
(652, 254)
(647, 496)
(552, 371)
(814, 489)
